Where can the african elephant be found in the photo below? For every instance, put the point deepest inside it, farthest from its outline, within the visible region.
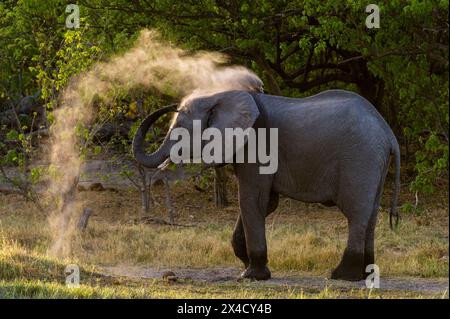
(334, 148)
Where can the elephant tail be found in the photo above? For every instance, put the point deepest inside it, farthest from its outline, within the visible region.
(395, 152)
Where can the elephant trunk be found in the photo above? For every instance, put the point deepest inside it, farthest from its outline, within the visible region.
(156, 158)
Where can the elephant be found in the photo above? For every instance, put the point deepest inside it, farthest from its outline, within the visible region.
(334, 148)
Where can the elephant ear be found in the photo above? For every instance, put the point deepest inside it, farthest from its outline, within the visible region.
(233, 109)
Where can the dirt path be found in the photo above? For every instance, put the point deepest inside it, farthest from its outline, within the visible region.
(229, 274)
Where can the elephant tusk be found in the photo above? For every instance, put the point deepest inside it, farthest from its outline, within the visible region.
(164, 164)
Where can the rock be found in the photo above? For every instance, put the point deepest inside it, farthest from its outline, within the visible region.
(96, 187)
(169, 276)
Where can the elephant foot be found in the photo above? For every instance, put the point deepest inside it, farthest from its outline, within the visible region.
(347, 274)
(254, 273)
(350, 268)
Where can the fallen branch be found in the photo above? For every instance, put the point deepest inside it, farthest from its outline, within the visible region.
(156, 220)
(82, 223)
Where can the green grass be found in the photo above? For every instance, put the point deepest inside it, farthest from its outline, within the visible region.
(38, 289)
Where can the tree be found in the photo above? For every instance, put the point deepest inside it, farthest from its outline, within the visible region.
(302, 47)
(298, 47)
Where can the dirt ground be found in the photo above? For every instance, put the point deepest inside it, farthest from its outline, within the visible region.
(230, 275)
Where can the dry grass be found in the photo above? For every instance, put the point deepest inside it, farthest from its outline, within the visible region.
(26, 274)
(305, 239)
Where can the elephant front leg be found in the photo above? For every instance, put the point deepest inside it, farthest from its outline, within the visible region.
(253, 221)
(238, 242)
(254, 196)
(238, 239)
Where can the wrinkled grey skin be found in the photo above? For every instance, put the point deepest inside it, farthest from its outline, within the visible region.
(334, 148)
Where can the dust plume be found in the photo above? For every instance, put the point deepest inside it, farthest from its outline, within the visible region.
(151, 63)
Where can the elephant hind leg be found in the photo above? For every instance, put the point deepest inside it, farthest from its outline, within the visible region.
(353, 259)
(369, 244)
(369, 248)
(358, 213)
(357, 200)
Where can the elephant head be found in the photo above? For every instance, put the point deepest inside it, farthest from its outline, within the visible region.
(229, 109)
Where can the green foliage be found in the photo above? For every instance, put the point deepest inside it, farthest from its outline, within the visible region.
(409, 208)
(302, 47)
(73, 57)
(298, 47)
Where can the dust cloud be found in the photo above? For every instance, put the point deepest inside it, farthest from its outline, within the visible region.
(151, 63)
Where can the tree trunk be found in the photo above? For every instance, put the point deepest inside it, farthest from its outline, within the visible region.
(220, 187)
(145, 201)
(146, 196)
(82, 223)
(169, 202)
(274, 88)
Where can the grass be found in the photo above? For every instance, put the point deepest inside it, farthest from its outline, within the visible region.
(303, 240)
(29, 275)
(161, 290)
